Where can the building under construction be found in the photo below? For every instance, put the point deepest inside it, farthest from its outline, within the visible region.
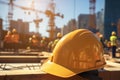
(112, 17)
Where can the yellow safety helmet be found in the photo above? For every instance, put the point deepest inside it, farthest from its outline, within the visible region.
(78, 51)
(33, 36)
(101, 36)
(14, 30)
(8, 32)
(113, 33)
(59, 35)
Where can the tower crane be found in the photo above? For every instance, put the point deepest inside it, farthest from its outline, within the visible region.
(51, 14)
(10, 13)
(92, 16)
(37, 20)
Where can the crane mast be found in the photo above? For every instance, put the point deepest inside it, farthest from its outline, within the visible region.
(10, 13)
(50, 12)
(37, 20)
(92, 16)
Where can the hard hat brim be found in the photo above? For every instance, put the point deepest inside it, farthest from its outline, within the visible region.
(57, 70)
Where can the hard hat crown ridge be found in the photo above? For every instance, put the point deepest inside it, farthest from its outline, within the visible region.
(76, 52)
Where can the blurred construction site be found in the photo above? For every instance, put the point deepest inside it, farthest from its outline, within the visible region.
(22, 52)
